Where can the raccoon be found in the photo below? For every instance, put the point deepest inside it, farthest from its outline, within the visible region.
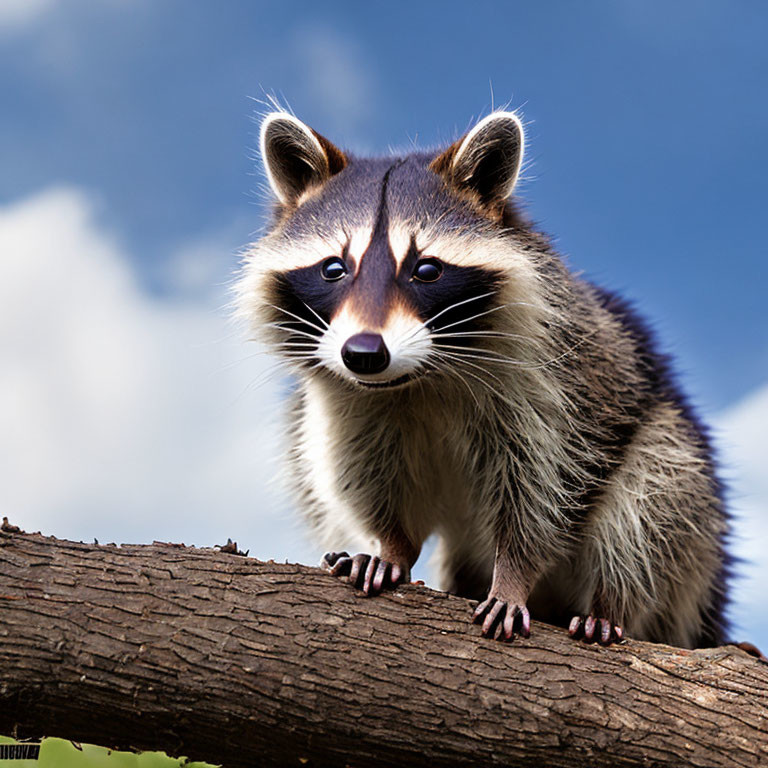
(456, 378)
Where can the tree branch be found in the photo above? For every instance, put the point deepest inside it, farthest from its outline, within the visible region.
(227, 659)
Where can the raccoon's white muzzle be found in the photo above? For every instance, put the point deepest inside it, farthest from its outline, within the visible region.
(393, 353)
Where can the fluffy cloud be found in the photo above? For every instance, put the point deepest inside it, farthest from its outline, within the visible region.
(122, 416)
(741, 433)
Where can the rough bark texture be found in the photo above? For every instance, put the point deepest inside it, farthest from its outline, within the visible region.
(231, 660)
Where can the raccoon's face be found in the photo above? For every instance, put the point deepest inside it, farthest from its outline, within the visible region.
(380, 271)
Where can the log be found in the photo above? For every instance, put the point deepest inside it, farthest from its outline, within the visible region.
(224, 658)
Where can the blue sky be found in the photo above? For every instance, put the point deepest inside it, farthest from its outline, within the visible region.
(127, 141)
(647, 126)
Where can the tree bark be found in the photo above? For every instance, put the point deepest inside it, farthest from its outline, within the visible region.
(230, 660)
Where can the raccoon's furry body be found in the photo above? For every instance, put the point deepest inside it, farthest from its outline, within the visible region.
(522, 414)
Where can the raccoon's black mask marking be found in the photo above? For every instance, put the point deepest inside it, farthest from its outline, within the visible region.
(374, 288)
(301, 289)
(456, 285)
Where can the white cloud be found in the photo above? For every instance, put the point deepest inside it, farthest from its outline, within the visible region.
(741, 433)
(122, 416)
(17, 13)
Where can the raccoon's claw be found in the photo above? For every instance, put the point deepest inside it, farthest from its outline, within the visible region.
(329, 559)
(369, 573)
(592, 629)
(502, 620)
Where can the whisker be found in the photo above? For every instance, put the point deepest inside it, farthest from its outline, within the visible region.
(261, 379)
(481, 334)
(481, 352)
(232, 363)
(325, 325)
(495, 309)
(458, 304)
(460, 359)
(426, 323)
(535, 366)
(483, 382)
(305, 344)
(284, 348)
(457, 375)
(474, 317)
(451, 371)
(281, 327)
(564, 354)
(297, 317)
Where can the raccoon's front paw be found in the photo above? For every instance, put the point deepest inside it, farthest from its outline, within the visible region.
(591, 629)
(502, 620)
(367, 572)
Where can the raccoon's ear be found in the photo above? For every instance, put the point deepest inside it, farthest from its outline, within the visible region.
(486, 162)
(295, 157)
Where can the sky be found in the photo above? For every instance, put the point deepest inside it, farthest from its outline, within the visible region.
(133, 409)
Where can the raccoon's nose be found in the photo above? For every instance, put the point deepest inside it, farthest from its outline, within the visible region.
(365, 353)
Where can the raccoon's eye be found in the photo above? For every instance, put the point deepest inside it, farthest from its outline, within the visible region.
(427, 270)
(333, 269)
